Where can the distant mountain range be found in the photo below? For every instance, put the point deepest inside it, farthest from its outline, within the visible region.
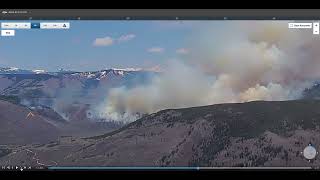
(39, 83)
(15, 70)
(68, 95)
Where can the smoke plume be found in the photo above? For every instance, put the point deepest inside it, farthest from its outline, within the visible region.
(231, 62)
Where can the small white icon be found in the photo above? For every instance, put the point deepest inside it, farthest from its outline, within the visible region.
(310, 152)
(4, 12)
(316, 28)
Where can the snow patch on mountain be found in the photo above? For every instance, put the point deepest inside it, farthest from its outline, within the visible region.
(127, 69)
(39, 71)
(12, 69)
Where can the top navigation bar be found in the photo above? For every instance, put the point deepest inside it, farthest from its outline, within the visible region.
(159, 14)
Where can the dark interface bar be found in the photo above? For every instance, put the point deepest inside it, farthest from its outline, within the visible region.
(160, 14)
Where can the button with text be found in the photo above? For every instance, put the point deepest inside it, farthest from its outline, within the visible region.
(7, 32)
(15, 25)
(299, 25)
(62, 25)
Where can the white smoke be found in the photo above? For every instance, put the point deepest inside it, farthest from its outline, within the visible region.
(260, 61)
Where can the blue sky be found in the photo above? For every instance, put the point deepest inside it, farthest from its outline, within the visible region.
(118, 44)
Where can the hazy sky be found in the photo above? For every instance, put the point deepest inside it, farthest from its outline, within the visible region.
(94, 45)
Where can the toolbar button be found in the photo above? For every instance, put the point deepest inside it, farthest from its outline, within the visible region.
(7, 32)
(299, 25)
(15, 25)
(55, 25)
(35, 25)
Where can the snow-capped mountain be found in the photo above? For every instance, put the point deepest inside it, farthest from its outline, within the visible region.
(110, 73)
(39, 71)
(118, 71)
(14, 70)
(127, 69)
(40, 85)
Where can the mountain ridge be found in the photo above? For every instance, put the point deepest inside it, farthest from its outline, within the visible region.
(259, 133)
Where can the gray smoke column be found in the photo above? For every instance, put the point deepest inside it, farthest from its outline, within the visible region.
(230, 62)
(67, 96)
